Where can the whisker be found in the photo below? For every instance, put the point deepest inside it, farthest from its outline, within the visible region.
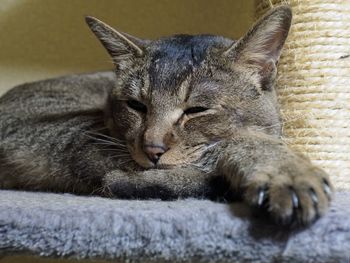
(114, 150)
(99, 141)
(107, 142)
(120, 155)
(107, 191)
(268, 127)
(196, 148)
(97, 190)
(105, 136)
(126, 161)
(289, 120)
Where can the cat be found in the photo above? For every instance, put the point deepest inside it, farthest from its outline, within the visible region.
(181, 116)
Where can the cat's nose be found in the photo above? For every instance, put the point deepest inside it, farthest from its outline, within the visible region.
(154, 152)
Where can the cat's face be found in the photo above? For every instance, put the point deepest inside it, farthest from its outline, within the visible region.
(177, 96)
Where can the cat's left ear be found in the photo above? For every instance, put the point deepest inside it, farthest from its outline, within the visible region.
(121, 46)
(261, 47)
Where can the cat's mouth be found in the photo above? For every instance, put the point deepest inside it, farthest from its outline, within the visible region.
(141, 159)
(175, 157)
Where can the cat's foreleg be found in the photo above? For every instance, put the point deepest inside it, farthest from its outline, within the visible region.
(274, 177)
(160, 184)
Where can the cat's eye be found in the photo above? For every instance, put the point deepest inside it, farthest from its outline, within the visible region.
(136, 105)
(194, 110)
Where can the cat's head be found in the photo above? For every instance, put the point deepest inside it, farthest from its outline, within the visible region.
(177, 96)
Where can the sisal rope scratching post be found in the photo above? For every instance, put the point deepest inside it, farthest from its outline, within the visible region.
(313, 83)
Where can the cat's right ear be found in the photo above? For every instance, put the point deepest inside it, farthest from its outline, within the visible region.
(121, 47)
(261, 47)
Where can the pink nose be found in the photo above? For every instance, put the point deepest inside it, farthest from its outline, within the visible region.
(154, 152)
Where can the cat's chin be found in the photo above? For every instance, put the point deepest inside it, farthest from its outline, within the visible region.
(141, 160)
(145, 164)
(161, 166)
(158, 166)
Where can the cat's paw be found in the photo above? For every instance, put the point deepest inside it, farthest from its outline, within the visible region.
(290, 190)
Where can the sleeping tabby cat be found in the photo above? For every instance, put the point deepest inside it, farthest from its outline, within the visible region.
(182, 116)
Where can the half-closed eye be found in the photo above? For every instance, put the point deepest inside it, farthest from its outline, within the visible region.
(194, 110)
(137, 106)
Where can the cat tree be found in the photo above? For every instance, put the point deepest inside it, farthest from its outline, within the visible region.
(313, 86)
(314, 83)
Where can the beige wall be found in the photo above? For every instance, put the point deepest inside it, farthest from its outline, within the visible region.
(44, 38)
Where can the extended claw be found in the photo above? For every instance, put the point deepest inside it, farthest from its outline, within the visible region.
(314, 199)
(327, 188)
(313, 196)
(295, 200)
(261, 196)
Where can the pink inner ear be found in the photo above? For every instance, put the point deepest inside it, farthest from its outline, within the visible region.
(274, 45)
(270, 51)
(262, 45)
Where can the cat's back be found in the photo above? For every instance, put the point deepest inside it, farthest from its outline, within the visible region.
(58, 95)
(52, 104)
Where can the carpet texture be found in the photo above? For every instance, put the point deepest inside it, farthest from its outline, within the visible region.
(64, 225)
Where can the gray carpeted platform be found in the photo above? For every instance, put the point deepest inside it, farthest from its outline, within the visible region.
(185, 230)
